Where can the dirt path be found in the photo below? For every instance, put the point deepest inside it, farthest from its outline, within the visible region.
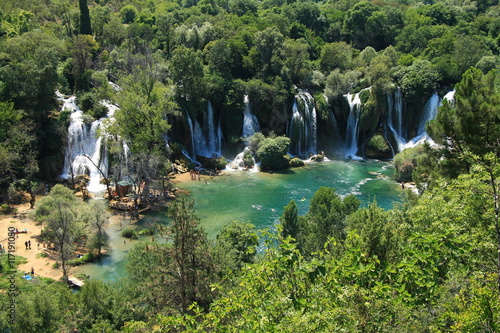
(20, 220)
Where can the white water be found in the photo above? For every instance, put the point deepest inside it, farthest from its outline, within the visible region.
(250, 122)
(303, 126)
(395, 119)
(206, 137)
(84, 147)
(238, 164)
(351, 139)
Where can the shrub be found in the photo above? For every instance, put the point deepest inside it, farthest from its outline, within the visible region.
(296, 162)
(271, 153)
(128, 14)
(130, 233)
(405, 162)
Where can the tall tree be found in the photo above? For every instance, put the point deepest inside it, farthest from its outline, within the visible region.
(174, 274)
(96, 216)
(290, 221)
(85, 27)
(59, 214)
(469, 128)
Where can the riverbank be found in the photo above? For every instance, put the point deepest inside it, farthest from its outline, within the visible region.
(19, 219)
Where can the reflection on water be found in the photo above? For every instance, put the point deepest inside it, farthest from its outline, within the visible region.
(258, 198)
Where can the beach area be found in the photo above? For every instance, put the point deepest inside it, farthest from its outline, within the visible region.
(20, 220)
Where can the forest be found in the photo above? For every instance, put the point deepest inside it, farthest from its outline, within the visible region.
(429, 264)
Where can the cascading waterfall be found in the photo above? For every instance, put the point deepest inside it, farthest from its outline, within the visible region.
(337, 141)
(205, 138)
(395, 119)
(250, 122)
(351, 140)
(84, 150)
(303, 126)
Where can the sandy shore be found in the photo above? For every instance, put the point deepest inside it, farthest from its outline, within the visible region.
(43, 265)
(21, 221)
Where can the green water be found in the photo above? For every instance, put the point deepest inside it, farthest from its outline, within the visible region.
(259, 198)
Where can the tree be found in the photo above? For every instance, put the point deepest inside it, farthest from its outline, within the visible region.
(128, 14)
(272, 153)
(336, 55)
(470, 130)
(85, 27)
(419, 79)
(176, 273)
(326, 219)
(96, 217)
(187, 74)
(290, 221)
(58, 212)
(268, 52)
(235, 246)
(191, 264)
(83, 49)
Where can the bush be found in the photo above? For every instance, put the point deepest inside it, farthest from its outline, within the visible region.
(88, 257)
(128, 14)
(130, 233)
(271, 153)
(296, 162)
(248, 160)
(405, 162)
(147, 232)
(5, 208)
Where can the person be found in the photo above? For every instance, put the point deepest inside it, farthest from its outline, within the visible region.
(403, 185)
(29, 244)
(32, 272)
(26, 244)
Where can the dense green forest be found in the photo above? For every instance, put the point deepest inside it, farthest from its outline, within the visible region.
(430, 264)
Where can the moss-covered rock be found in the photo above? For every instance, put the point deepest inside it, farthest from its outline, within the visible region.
(378, 147)
(296, 162)
(212, 163)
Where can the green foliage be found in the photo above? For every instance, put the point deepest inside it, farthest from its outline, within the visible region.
(85, 27)
(296, 162)
(130, 233)
(417, 80)
(378, 147)
(290, 221)
(128, 14)
(405, 163)
(271, 153)
(235, 246)
(325, 219)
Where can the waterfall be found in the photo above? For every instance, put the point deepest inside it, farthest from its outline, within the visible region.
(191, 130)
(338, 142)
(395, 117)
(84, 142)
(351, 139)
(238, 163)
(303, 126)
(205, 137)
(250, 122)
(429, 113)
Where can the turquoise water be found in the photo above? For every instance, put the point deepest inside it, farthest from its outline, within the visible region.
(258, 198)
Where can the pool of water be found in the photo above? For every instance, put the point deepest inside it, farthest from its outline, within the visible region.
(259, 198)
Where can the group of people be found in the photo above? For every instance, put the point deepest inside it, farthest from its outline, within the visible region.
(195, 174)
